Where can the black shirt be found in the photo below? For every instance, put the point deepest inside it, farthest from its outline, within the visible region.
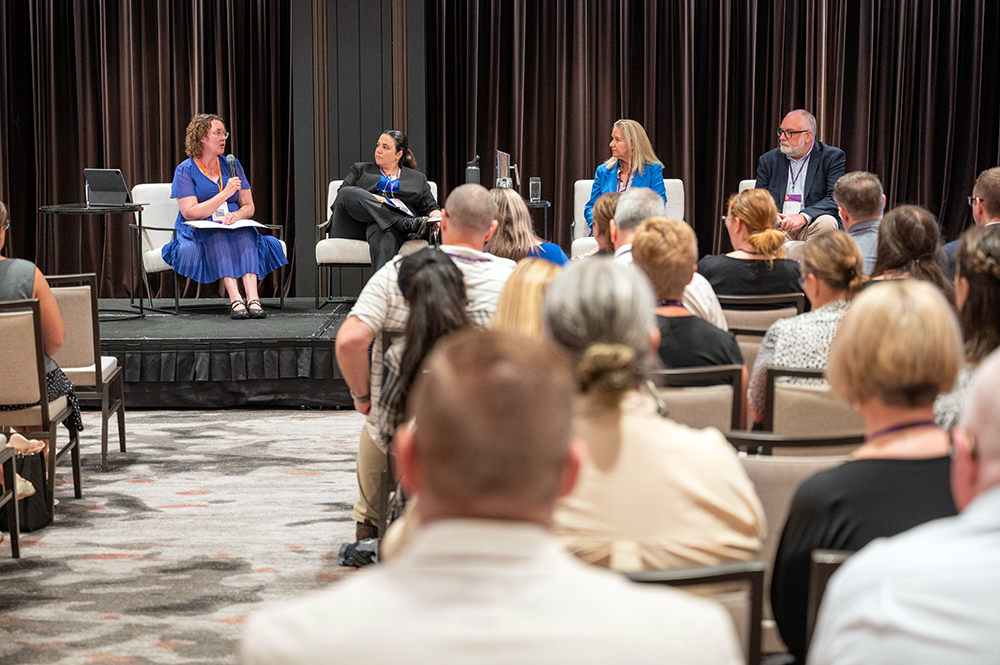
(690, 341)
(755, 277)
(845, 509)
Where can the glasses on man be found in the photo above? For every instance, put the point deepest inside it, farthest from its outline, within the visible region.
(789, 132)
(973, 199)
(220, 135)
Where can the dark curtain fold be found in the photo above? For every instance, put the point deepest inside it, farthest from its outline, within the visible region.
(113, 84)
(905, 87)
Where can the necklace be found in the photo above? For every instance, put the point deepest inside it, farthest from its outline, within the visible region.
(899, 428)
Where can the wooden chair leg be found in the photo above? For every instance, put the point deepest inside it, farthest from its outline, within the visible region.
(121, 411)
(74, 438)
(51, 480)
(105, 416)
(13, 518)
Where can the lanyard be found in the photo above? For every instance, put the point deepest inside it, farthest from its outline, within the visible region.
(204, 170)
(392, 181)
(670, 303)
(628, 181)
(795, 176)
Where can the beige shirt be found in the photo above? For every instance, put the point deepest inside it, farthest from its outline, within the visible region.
(654, 494)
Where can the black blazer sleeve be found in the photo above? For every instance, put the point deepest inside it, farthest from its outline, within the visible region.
(415, 192)
(354, 175)
(819, 198)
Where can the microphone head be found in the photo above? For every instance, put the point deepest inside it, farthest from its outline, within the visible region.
(232, 164)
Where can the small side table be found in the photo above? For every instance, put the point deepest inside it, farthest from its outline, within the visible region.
(544, 205)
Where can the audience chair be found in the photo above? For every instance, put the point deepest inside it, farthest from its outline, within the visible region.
(749, 325)
(806, 409)
(822, 566)
(343, 253)
(23, 361)
(706, 405)
(9, 497)
(583, 241)
(95, 377)
(776, 478)
(746, 611)
(155, 228)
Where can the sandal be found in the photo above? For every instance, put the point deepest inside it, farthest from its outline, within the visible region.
(23, 446)
(238, 313)
(258, 313)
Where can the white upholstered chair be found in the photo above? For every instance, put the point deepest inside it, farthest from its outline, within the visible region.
(748, 184)
(342, 253)
(155, 228)
(583, 241)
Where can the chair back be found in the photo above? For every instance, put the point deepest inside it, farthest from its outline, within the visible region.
(797, 410)
(749, 325)
(23, 361)
(702, 406)
(745, 603)
(160, 211)
(78, 306)
(331, 194)
(823, 564)
(581, 194)
(748, 184)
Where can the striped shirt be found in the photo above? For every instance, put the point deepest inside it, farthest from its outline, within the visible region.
(382, 308)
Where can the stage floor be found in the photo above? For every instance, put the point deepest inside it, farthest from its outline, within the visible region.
(203, 359)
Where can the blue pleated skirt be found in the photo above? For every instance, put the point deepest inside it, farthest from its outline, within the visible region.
(206, 255)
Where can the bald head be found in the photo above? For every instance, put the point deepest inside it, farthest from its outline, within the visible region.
(493, 425)
(470, 211)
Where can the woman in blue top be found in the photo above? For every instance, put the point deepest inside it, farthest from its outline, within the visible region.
(514, 237)
(633, 164)
(206, 189)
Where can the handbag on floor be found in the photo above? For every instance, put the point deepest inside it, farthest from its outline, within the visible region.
(33, 510)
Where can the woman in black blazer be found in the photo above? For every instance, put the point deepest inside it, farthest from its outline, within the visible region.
(385, 203)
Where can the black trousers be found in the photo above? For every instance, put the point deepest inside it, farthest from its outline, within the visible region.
(357, 215)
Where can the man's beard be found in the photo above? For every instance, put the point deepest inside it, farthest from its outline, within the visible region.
(785, 149)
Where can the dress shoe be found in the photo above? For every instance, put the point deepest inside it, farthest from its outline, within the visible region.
(415, 227)
(238, 310)
(257, 313)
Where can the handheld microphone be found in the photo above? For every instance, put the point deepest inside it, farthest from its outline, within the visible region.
(232, 165)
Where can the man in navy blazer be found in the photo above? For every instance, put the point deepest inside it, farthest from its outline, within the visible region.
(800, 174)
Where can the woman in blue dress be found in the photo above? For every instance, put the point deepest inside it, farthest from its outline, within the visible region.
(206, 189)
(633, 164)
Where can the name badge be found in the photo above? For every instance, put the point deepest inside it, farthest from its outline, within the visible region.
(792, 204)
(220, 214)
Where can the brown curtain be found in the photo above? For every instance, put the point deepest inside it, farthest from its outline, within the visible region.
(113, 84)
(905, 87)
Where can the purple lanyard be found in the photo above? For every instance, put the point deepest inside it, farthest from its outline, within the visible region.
(670, 303)
(628, 182)
(795, 176)
(900, 428)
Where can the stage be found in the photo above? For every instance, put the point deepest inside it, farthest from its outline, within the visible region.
(202, 359)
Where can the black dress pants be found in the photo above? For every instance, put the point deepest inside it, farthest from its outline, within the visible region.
(357, 215)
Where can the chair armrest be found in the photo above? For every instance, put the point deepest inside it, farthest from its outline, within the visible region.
(152, 228)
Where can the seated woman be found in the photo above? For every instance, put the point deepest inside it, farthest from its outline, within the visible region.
(909, 245)
(514, 237)
(756, 266)
(206, 189)
(632, 164)
(365, 210)
(21, 280)
(604, 212)
(520, 306)
(897, 349)
(977, 294)
(651, 494)
(834, 274)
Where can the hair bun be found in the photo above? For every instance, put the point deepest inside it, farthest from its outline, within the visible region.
(608, 368)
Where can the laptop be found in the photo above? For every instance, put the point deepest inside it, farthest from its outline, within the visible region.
(106, 187)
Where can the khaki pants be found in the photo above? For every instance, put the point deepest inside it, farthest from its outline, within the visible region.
(371, 463)
(797, 241)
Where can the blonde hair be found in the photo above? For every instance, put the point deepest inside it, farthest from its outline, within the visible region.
(640, 151)
(756, 209)
(836, 260)
(899, 342)
(514, 236)
(196, 131)
(667, 251)
(520, 306)
(604, 212)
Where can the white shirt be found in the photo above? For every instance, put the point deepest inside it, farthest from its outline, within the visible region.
(483, 591)
(381, 305)
(699, 297)
(929, 595)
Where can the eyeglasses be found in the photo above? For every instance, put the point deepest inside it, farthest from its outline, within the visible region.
(973, 199)
(789, 132)
(221, 135)
(6, 225)
(725, 219)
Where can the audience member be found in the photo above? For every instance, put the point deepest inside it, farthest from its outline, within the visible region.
(667, 251)
(515, 237)
(520, 308)
(897, 349)
(909, 245)
(489, 453)
(800, 174)
(860, 202)
(977, 295)
(467, 223)
(834, 274)
(929, 595)
(636, 205)
(652, 494)
(985, 202)
(604, 211)
(756, 266)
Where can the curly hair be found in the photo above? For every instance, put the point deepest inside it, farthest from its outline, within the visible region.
(196, 131)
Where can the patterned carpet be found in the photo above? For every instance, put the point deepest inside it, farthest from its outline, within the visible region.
(207, 516)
